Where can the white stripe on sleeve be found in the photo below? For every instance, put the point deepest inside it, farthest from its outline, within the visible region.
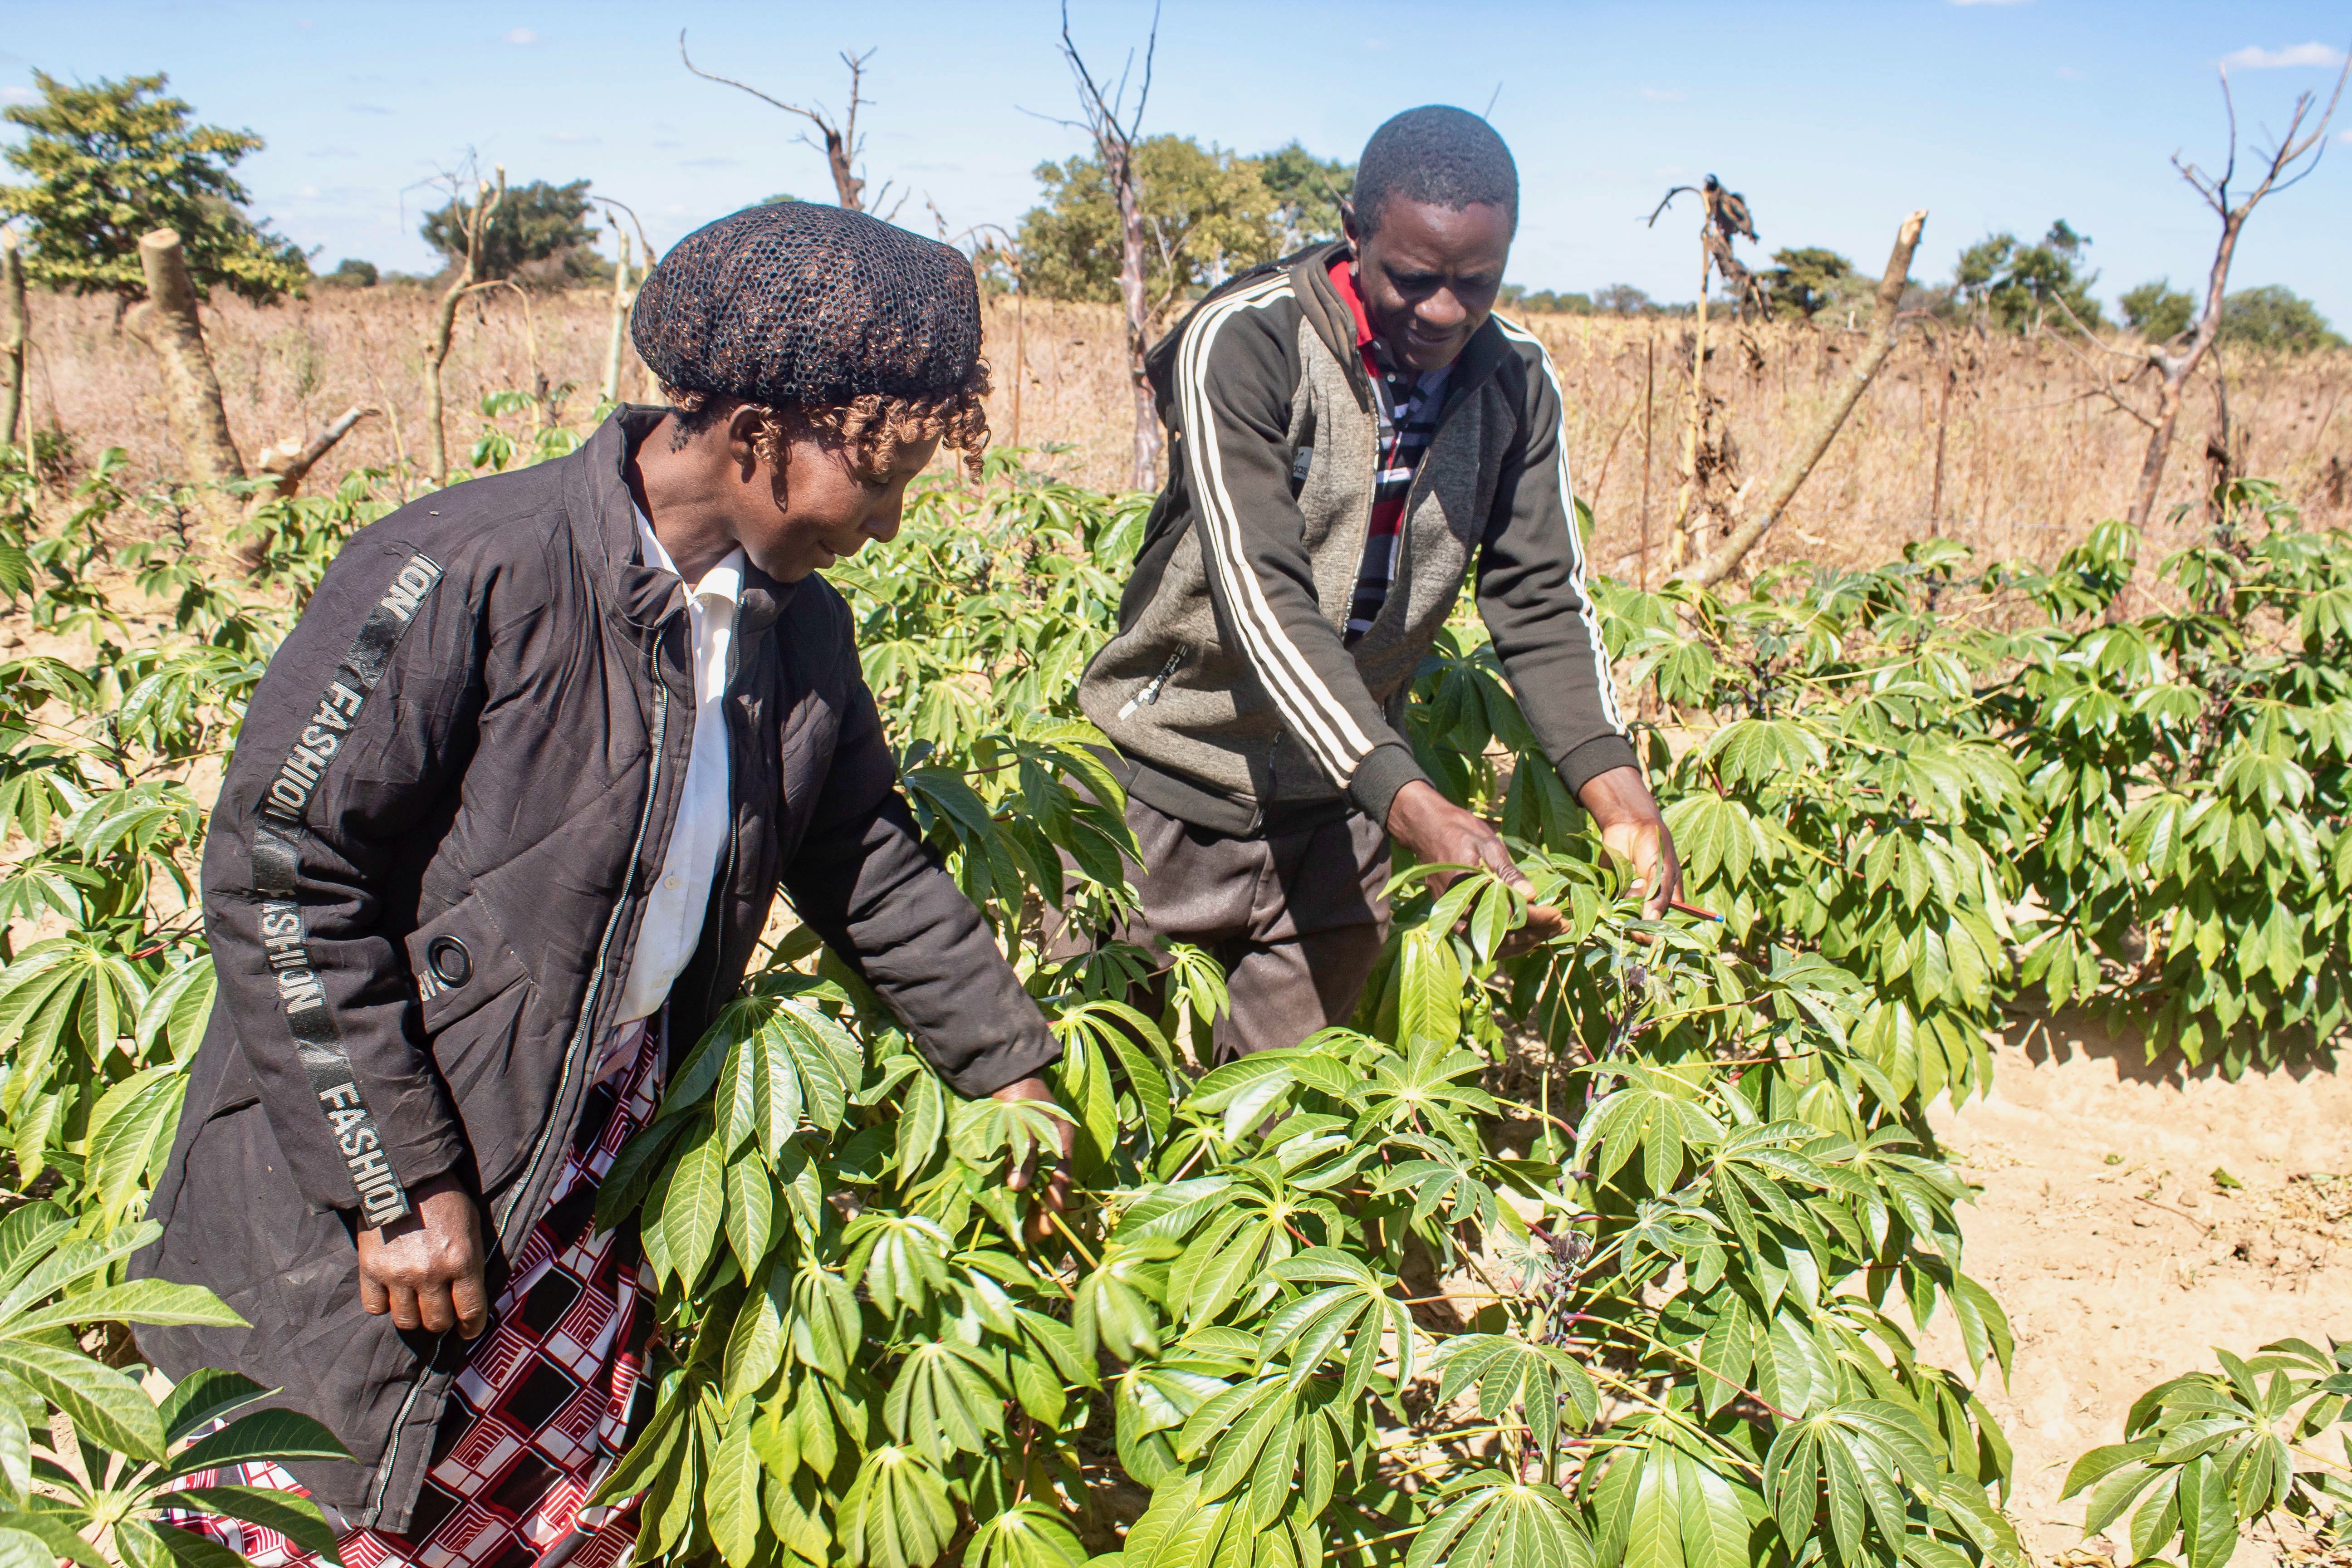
(1315, 714)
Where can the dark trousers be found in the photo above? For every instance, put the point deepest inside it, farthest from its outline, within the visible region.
(1297, 918)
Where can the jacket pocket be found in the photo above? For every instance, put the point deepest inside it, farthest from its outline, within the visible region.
(484, 1034)
(461, 962)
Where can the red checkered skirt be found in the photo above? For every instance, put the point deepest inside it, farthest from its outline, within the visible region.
(542, 1410)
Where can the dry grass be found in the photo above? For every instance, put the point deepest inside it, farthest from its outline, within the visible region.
(2032, 454)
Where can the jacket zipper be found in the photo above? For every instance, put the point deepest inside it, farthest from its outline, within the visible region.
(585, 1029)
(531, 1168)
(1150, 693)
(722, 890)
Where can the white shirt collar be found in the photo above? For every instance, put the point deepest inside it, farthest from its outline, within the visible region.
(723, 581)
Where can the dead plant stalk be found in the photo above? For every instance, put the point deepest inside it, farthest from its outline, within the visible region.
(1100, 105)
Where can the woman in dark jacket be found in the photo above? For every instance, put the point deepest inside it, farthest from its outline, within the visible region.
(507, 816)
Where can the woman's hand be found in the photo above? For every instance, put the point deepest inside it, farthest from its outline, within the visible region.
(426, 1268)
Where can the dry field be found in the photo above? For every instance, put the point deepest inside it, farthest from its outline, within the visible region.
(2123, 1259)
(2032, 453)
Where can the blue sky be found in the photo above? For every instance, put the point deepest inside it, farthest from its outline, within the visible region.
(1833, 117)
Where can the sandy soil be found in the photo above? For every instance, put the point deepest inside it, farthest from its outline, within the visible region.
(2121, 1258)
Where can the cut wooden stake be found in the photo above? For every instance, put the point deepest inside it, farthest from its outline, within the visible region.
(622, 295)
(12, 332)
(1751, 527)
(191, 398)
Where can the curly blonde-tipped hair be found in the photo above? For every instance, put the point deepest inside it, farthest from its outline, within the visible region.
(871, 429)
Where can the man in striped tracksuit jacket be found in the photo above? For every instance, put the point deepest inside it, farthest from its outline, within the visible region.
(1351, 430)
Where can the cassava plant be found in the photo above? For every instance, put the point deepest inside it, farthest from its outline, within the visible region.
(2192, 769)
(1676, 1272)
(2206, 1454)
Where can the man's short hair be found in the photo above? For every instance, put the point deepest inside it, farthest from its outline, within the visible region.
(1445, 156)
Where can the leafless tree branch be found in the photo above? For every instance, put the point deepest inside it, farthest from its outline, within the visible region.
(2291, 159)
(1114, 131)
(841, 143)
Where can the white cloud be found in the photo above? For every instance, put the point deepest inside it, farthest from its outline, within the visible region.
(2068, 73)
(308, 192)
(1376, 45)
(522, 35)
(571, 139)
(2345, 137)
(2254, 57)
(1665, 94)
(18, 95)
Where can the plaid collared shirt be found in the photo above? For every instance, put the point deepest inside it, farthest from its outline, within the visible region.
(1407, 404)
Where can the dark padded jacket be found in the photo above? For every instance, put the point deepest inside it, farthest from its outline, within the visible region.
(1230, 686)
(423, 885)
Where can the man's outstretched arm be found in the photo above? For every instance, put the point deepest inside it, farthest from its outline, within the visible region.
(1533, 597)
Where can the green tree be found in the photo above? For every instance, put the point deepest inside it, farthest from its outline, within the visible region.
(2277, 317)
(2020, 286)
(107, 162)
(352, 272)
(1305, 193)
(1545, 302)
(1207, 214)
(1806, 279)
(1624, 299)
(538, 236)
(2157, 311)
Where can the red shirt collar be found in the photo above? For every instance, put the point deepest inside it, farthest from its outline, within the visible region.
(1343, 278)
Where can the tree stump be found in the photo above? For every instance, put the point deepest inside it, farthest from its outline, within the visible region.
(191, 398)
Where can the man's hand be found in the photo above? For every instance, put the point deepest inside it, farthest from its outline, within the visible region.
(1634, 834)
(1056, 1197)
(426, 1268)
(1440, 833)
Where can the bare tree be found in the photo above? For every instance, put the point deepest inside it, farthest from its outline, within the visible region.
(1102, 105)
(1749, 527)
(2291, 159)
(842, 146)
(473, 221)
